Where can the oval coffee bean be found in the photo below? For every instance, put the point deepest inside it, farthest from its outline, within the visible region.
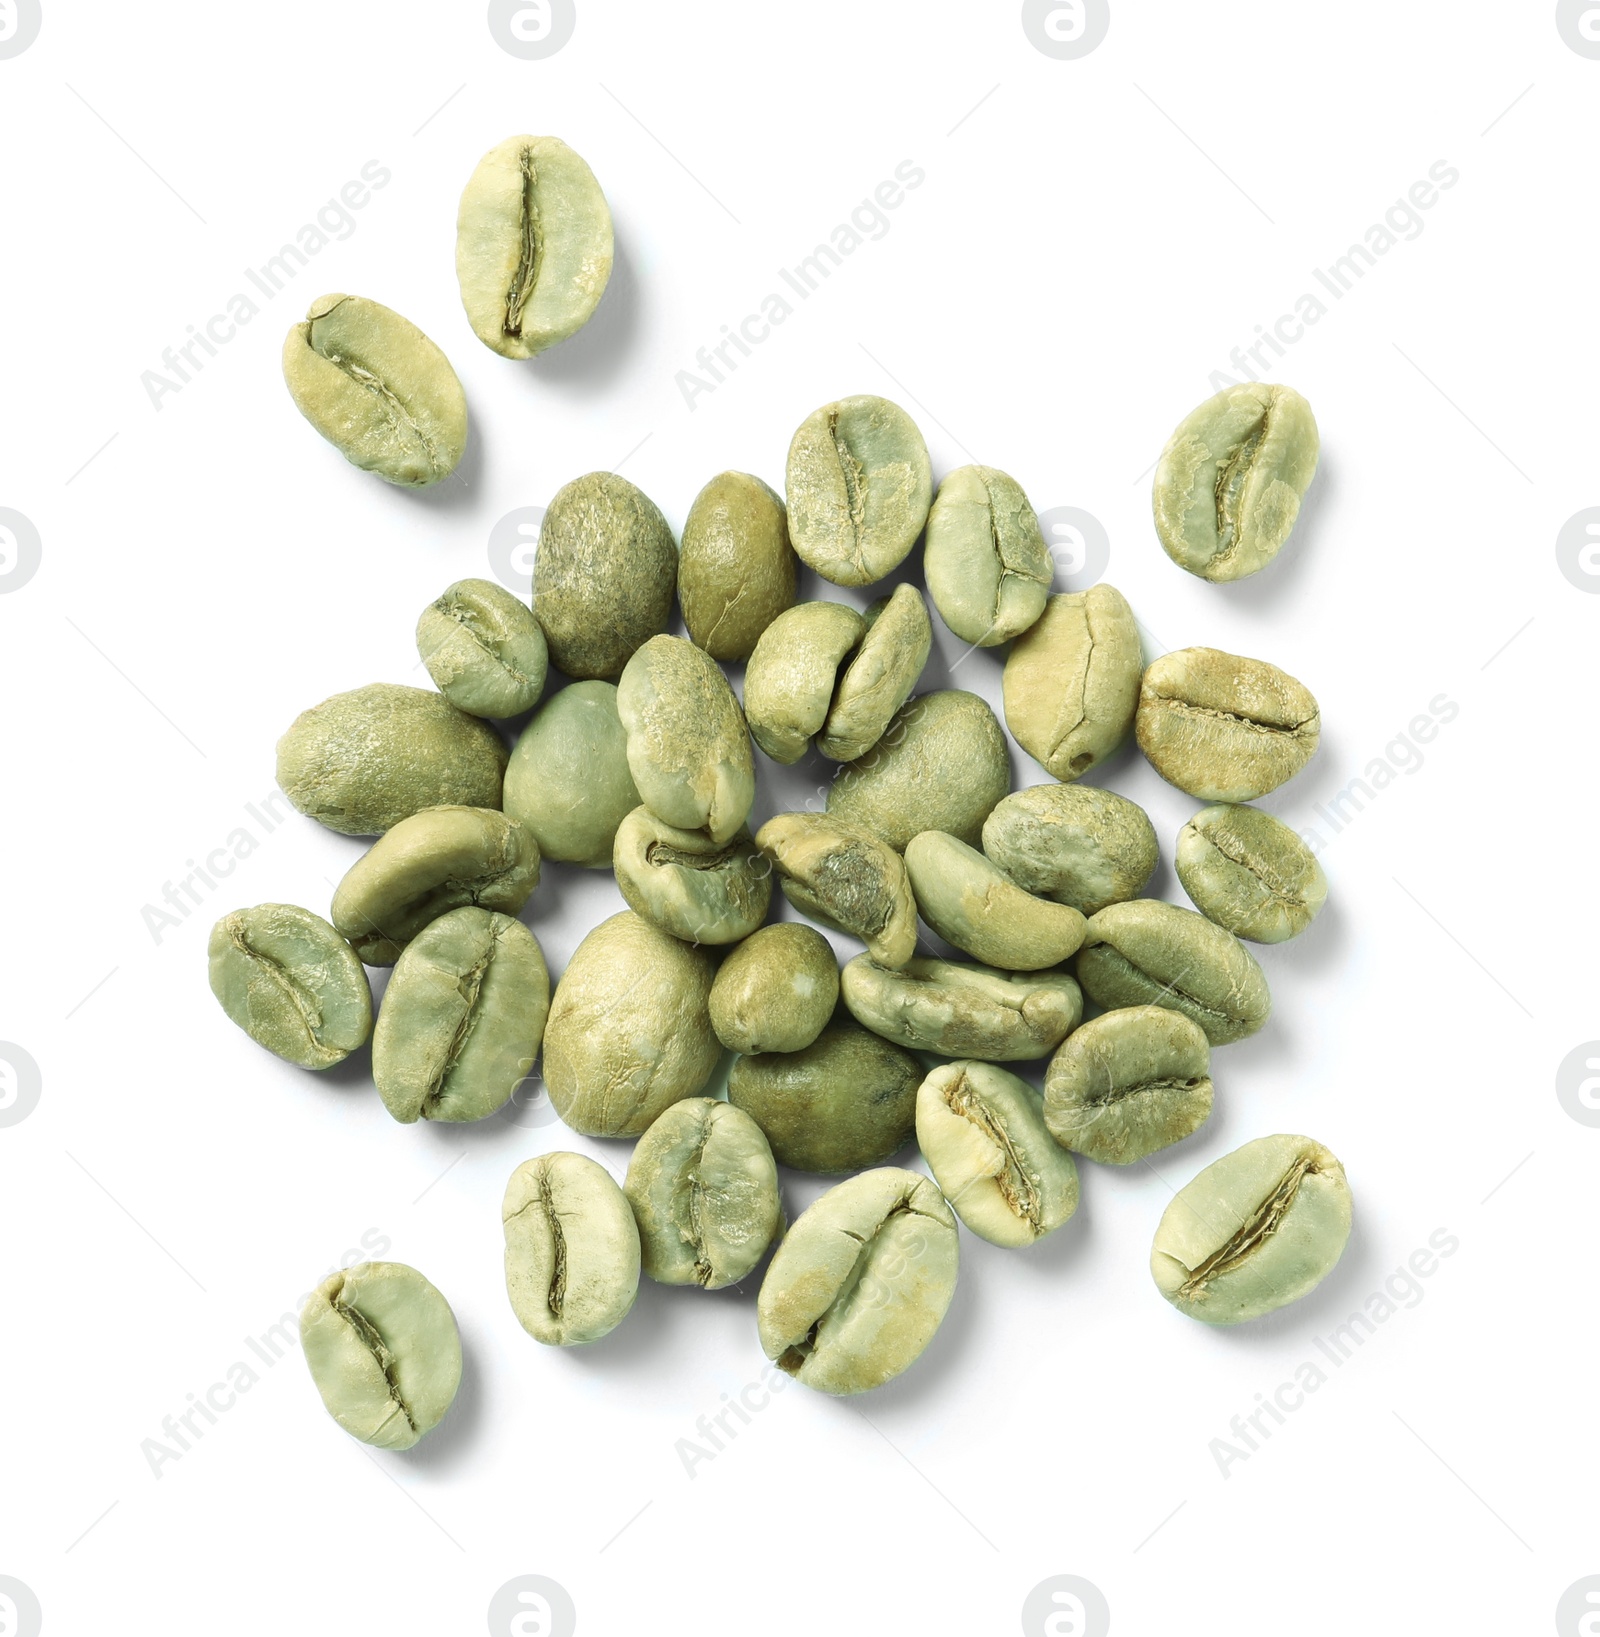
(568, 780)
(572, 1250)
(483, 649)
(377, 389)
(362, 761)
(1249, 873)
(1256, 1230)
(1071, 683)
(384, 1351)
(688, 885)
(880, 676)
(1075, 843)
(1128, 1083)
(987, 566)
(845, 877)
(1225, 728)
(1147, 953)
(776, 991)
(629, 1029)
(687, 745)
(736, 571)
(981, 1132)
(462, 1018)
(860, 1283)
(789, 682)
(1230, 480)
(704, 1191)
(974, 905)
(603, 575)
(291, 983)
(941, 764)
(847, 1100)
(959, 1010)
(533, 245)
(859, 484)
(435, 861)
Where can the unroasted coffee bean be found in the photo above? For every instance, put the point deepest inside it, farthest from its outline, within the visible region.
(377, 389)
(572, 1249)
(1147, 953)
(1249, 873)
(860, 1283)
(1225, 728)
(362, 761)
(1075, 843)
(736, 571)
(1230, 480)
(1258, 1229)
(533, 245)
(483, 649)
(789, 682)
(986, 562)
(704, 1191)
(461, 1019)
(880, 676)
(1128, 1083)
(436, 861)
(291, 983)
(629, 1030)
(981, 1131)
(776, 991)
(697, 889)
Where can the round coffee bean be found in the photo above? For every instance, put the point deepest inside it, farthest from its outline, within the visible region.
(1075, 843)
(776, 991)
(736, 571)
(1249, 873)
(987, 565)
(689, 885)
(483, 649)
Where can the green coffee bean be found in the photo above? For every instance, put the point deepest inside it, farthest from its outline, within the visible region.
(789, 682)
(291, 983)
(568, 780)
(1230, 480)
(776, 991)
(688, 885)
(704, 1191)
(1147, 953)
(1071, 684)
(942, 764)
(435, 861)
(1256, 1230)
(688, 749)
(859, 485)
(981, 1132)
(629, 1030)
(362, 761)
(384, 1351)
(878, 680)
(974, 905)
(1225, 728)
(959, 1010)
(572, 1250)
(1075, 843)
(377, 389)
(1249, 873)
(736, 571)
(987, 566)
(483, 649)
(847, 1100)
(603, 574)
(860, 1283)
(845, 877)
(462, 1018)
(1128, 1083)
(533, 245)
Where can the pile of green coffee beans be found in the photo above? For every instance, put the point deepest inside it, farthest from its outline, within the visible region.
(646, 762)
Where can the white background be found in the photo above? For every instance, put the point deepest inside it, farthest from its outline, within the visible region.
(1092, 240)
